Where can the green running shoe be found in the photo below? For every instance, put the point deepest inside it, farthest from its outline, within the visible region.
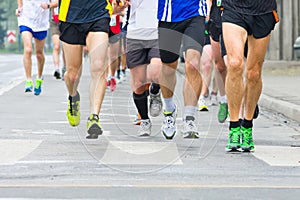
(38, 86)
(73, 112)
(28, 86)
(223, 112)
(93, 127)
(234, 138)
(247, 140)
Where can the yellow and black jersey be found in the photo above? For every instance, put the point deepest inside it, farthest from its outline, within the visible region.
(84, 11)
(250, 7)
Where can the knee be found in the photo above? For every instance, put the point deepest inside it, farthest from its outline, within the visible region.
(253, 75)
(28, 51)
(40, 55)
(192, 66)
(235, 65)
(56, 47)
(98, 68)
(71, 74)
(220, 67)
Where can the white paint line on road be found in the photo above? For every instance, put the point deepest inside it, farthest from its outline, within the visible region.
(54, 161)
(43, 131)
(141, 153)
(178, 186)
(10, 86)
(13, 150)
(278, 155)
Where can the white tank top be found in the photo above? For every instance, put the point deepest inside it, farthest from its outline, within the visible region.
(143, 23)
(34, 16)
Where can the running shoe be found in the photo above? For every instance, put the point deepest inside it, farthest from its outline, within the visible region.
(57, 74)
(168, 128)
(202, 105)
(223, 112)
(113, 84)
(137, 120)
(189, 128)
(73, 112)
(93, 127)
(108, 81)
(28, 86)
(145, 128)
(234, 139)
(155, 105)
(247, 140)
(123, 76)
(38, 86)
(213, 99)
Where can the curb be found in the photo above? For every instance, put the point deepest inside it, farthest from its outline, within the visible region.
(288, 109)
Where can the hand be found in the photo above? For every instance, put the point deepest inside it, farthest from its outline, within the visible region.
(44, 6)
(120, 5)
(18, 11)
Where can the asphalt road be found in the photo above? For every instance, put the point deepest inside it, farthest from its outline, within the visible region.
(42, 157)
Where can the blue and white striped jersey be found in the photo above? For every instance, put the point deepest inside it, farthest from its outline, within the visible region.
(179, 10)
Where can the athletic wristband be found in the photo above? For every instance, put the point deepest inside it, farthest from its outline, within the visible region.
(48, 6)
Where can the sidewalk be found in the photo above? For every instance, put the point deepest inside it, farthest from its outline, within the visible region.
(281, 92)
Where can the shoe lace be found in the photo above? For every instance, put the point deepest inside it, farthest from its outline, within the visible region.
(202, 102)
(144, 125)
(235, 135)
(74, 108)
(189, 125)
(169, 121)
(247, 135)
(155, 102)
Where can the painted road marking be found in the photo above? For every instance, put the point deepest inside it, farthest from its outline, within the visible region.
(141, 153)
(278, 155)
(13, 150)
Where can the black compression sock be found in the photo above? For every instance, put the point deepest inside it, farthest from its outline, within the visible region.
(141, 103)
(247, 123)
(234, 124)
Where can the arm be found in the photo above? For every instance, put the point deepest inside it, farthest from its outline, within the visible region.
(52, 4)
(208, 3)
(20, 7)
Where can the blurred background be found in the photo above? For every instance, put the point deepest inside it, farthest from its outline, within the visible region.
(283, 44)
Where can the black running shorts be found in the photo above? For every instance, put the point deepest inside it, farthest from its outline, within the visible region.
(259, 26)
(77, 33)
(190, 32)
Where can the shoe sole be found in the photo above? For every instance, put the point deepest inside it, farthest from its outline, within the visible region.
(247, 149)
(203, 109)
(222, 121)
(155, 114)
(37, 92)
(28, 90)
(233, 149)
(169, 137)
(144, 135)
(57, 76)
(94, 131)
(191, 135)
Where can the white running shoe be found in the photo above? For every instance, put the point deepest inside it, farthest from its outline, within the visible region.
(168, 128)
(189, 128)
(202, 105)
(213, 100)
(145, 128)
(155, 105)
